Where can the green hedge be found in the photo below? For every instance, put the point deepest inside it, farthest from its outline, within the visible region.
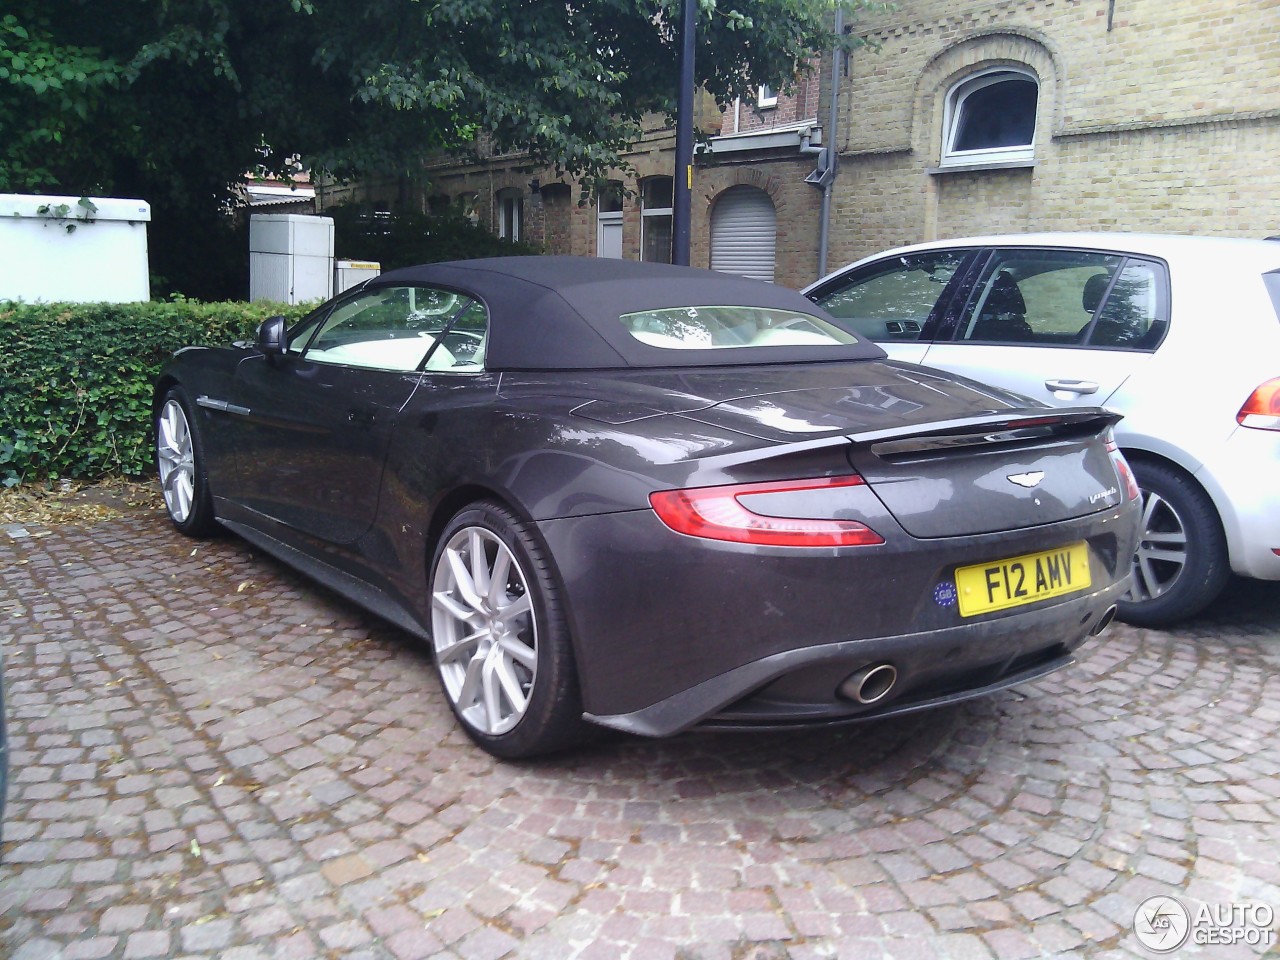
(76, 380)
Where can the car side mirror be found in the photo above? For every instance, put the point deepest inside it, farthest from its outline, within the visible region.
(273, 336)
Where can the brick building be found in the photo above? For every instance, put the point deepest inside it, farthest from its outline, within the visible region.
(960, 118)
(1150, 115)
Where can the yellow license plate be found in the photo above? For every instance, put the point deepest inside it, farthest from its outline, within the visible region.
(1001, 584)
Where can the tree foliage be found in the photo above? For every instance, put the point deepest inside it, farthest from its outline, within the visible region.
(172, 101)
(408, 238)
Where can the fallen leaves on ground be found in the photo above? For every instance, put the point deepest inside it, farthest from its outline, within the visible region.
(71, 502)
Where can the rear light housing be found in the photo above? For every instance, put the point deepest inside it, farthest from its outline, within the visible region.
(717, 513)
(1262, 410)
(1124, 471)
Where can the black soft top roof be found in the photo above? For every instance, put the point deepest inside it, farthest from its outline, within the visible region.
(561, 313)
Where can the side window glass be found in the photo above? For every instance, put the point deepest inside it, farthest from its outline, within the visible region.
(303, 330)
(1133, 315)
(462, 348)
(390, 328)
(892, 300)
(1046, 297)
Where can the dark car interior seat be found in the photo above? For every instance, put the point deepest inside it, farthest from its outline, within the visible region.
(1094, 289)
(1003, 314)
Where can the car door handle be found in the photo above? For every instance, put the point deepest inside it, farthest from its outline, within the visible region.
(1082, 387)
(362, 418)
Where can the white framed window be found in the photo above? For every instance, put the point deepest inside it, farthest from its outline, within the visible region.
(990, 117)
(609, 222)
(510, 215)
(655, 219)
(766, 96)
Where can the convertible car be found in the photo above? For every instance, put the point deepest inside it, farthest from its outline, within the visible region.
(652, 498)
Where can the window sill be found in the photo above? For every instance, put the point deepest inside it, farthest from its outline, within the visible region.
(978, 167)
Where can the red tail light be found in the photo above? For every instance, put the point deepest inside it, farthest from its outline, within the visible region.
(717, 513)
(1262, 409)
(1124, 470)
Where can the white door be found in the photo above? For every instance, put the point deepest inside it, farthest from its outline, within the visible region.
(744, 233)
(609, 236)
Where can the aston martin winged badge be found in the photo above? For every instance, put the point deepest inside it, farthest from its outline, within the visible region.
(1028, 480)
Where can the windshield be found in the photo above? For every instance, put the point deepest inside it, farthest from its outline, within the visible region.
(712, 328)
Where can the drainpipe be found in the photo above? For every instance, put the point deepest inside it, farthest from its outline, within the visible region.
(833, 153)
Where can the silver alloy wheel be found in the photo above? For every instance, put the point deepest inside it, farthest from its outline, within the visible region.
(175, 455)
(484, 630)
(1162, 549)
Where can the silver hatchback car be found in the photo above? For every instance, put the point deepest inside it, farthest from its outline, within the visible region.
(1180, 334)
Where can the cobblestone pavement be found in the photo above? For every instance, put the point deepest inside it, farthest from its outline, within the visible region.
(212, 757)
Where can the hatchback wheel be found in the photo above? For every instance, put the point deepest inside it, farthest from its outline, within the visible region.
(181, 464)
(1181, 565)
(499, 637)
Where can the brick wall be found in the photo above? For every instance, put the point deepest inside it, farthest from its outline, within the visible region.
(1167, 122)
(800, 104)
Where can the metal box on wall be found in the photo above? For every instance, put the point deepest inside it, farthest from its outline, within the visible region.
(290, 257)
(75, 249)
(349, 273)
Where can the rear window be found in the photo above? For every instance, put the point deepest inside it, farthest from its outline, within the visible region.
(713, 328)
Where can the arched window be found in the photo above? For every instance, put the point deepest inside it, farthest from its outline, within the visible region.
(991, 118)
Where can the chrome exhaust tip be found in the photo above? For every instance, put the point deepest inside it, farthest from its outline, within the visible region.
(1103, 622)
(870, 684)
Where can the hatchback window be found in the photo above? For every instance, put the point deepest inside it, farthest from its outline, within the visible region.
(1131, 315)
(892, 299)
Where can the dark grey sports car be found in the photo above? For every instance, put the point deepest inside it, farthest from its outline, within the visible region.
(652, 498)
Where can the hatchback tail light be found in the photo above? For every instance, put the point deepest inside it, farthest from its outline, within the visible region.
(1124, 470)
(717, 513)
(1262, 410)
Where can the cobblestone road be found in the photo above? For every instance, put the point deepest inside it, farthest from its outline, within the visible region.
(213, 758)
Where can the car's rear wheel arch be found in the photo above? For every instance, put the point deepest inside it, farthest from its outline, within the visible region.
(550, 719)
(459, 499)
(1189, 507)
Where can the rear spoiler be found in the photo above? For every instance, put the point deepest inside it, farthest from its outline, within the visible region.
(993, 430)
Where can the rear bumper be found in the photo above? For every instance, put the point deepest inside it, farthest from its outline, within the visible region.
(1239, 478)
(800, 688)
(672, 631)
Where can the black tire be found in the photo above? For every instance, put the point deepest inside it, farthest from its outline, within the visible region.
(181, 464)
(1164, 590)
(506, 664)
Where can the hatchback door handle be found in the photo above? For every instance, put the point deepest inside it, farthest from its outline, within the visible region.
(1082, 387)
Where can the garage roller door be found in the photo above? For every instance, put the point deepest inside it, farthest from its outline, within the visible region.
(744, 233)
